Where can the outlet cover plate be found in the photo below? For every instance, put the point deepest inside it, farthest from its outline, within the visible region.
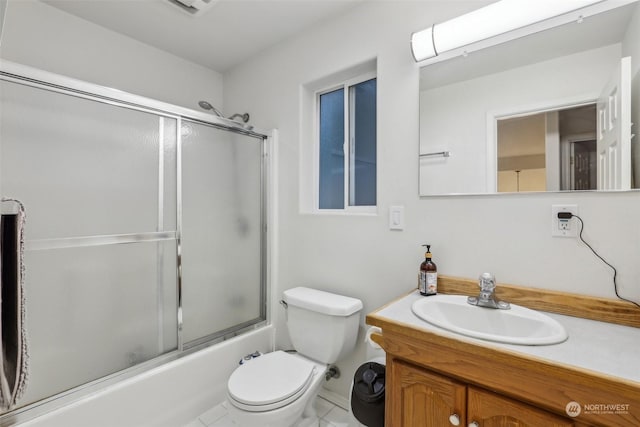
(561, 228)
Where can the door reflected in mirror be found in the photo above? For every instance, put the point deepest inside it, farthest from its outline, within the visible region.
(523, 142)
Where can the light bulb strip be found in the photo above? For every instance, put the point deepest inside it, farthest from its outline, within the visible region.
(495, 21)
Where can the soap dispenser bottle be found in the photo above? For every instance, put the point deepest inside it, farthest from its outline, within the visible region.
(428, 276)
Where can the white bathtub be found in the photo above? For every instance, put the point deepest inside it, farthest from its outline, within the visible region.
(171, 395)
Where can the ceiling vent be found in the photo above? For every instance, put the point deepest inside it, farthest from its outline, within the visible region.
(194, 7)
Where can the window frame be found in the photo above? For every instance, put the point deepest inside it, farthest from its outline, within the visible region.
(348, 146)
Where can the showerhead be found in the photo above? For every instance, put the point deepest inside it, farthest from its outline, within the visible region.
(207, 106)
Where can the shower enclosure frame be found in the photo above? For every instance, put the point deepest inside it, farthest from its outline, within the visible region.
(31, 77)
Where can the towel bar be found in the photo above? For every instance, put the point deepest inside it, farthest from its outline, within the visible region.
(438, 153)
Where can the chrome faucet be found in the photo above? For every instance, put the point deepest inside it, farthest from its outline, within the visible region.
(487, 297)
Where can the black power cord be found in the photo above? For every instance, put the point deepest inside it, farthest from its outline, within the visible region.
(568, 215)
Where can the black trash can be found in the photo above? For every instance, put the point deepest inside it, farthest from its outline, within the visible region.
(367, 395)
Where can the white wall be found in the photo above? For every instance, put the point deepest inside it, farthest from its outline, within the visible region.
(44, 37)
(631, 42)
(508, 235)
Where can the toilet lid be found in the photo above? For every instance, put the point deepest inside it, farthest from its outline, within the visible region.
(269, 379)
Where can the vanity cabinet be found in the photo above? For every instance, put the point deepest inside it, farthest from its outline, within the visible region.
(433, 374)
(417, 397)
(420, 398)
(492, 410)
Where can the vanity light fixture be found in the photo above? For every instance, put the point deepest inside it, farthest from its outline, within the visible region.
(495, 19)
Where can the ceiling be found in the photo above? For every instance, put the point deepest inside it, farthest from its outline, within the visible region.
(227, 34)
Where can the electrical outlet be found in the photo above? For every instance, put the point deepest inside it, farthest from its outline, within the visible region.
(564, 227)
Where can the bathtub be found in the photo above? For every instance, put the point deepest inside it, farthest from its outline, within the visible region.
(170, 395)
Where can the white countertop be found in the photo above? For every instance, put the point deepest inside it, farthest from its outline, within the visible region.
(605, 348)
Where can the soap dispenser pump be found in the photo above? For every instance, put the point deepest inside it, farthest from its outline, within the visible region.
(428, 275)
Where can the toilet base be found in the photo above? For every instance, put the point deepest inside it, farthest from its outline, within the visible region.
(309, 415)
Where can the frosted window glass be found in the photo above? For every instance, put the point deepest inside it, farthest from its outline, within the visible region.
(82, 167)
(358, 123)
(169, 192)
(221, 235)
(331, 150)
(362, 173)
(94, 311)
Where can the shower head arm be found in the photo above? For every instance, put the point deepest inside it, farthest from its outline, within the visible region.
(245, 117)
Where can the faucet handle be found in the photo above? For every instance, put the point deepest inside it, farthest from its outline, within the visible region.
(487, 282)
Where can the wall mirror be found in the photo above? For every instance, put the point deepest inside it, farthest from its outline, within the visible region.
(551, 111)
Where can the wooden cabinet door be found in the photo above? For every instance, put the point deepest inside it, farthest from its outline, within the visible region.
(492, 410)
(423, 399)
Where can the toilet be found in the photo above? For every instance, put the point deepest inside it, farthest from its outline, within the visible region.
(278, 389)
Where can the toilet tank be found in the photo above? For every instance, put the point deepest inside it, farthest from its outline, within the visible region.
(322, 326)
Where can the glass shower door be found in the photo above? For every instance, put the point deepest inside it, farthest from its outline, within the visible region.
(145, 232)
(222, 229)
(98, 182)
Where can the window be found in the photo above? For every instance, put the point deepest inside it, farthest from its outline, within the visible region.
(347, 146)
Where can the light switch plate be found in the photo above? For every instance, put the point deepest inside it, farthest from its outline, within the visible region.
(396, 218)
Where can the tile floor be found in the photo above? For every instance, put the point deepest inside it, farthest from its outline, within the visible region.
(330, 416)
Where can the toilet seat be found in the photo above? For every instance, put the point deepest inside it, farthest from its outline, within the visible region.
(270, 381)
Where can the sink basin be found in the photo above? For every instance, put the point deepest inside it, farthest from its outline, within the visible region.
(518, 325)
